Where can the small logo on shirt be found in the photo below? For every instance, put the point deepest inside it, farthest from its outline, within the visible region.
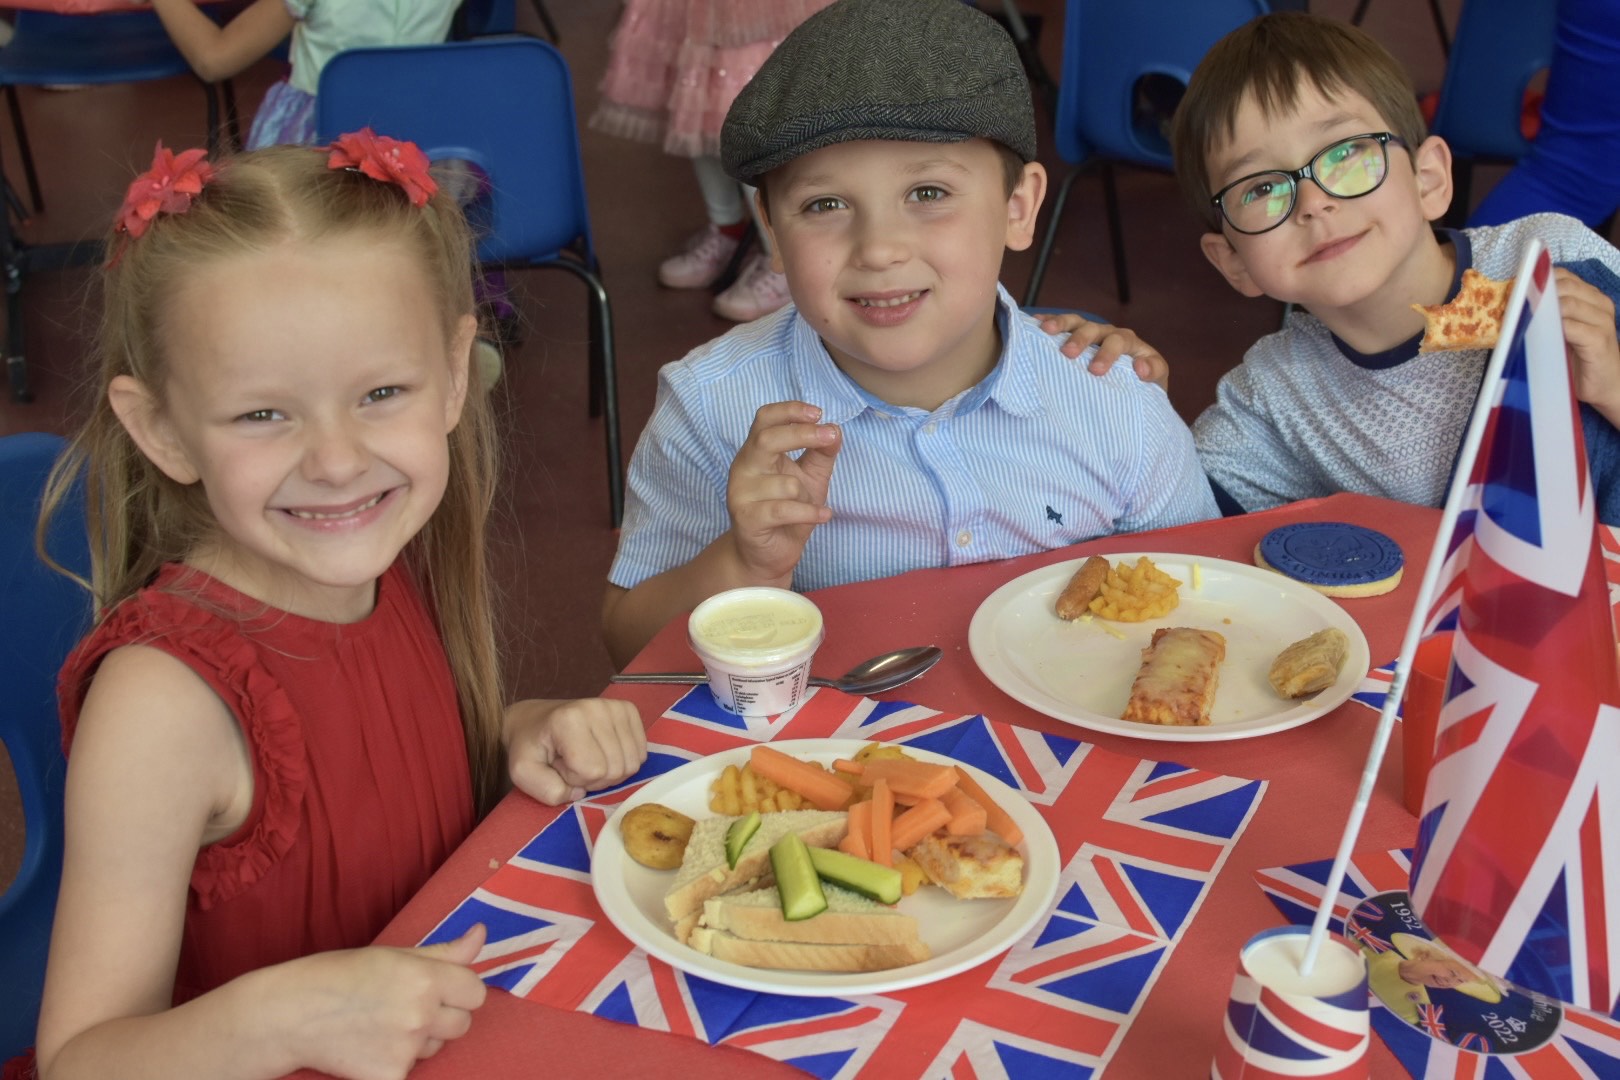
(1053, 515)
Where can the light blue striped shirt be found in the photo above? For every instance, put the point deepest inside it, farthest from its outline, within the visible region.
(1038, 455)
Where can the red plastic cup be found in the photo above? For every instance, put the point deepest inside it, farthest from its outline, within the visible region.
(1420, 715)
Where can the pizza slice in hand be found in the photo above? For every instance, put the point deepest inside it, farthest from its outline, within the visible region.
(1471, 321)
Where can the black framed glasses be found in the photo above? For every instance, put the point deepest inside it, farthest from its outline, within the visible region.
(1348, 169)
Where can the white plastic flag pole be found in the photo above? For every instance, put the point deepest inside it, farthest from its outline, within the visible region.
(1488, 387)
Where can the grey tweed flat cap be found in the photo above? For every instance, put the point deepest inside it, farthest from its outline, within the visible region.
(905, 70)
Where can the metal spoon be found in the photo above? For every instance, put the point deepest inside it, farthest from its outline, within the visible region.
(868, 677)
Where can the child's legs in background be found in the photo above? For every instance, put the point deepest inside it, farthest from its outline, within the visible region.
(709, 251)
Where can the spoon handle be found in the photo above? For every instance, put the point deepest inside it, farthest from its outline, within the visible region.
(685, 678)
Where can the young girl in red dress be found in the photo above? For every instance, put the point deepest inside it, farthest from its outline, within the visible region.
(288, 713)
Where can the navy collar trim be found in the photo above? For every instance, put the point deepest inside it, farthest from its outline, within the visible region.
(1406, 350)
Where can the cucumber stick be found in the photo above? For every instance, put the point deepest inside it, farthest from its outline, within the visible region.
(796, 879)
(742, 830)
(880, 883)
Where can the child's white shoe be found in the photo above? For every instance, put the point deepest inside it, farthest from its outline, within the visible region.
(707, 254)
(757, 292)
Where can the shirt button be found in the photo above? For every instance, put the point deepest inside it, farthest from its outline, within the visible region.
(964, 538)
(928, 429)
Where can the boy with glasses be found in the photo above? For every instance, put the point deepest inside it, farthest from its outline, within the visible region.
(1340, 399)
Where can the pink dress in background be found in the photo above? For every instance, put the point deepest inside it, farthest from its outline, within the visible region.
(675, 66)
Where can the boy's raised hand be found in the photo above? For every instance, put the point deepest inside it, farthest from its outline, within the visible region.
(1112, 342)
(776, 500)
(1594, 351)
(371, 1014)
(558, 750)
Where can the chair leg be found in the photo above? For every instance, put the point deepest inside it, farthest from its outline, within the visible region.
(16, 365)
(545, 19)
(24, 149)
(211, 107)
(1116, 232)
(603, 379)
(1462, 182)
(1044, 254)
(233, 117)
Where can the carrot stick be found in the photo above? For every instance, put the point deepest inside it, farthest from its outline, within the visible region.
(854, 768)
(822, 789)
(997, 819)
(920, 778)
(968, 818)
(882, 823)
(857, 841)
(910, 827)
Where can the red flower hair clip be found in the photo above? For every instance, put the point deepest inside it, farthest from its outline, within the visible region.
(168, 187)
(393, 161)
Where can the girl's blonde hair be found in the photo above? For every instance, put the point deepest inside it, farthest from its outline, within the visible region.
(140, 519)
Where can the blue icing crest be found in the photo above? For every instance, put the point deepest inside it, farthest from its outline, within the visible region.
(1331, 553)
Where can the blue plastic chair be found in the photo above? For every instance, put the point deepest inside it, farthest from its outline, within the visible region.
(1499, 47)
(507, 106)
(478, 18)
(1109, 48)
(44, 614)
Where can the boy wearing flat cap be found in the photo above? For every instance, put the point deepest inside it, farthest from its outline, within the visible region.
(902, 412)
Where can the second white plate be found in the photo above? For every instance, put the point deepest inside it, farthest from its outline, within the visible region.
(1080, 673)
(959, 933)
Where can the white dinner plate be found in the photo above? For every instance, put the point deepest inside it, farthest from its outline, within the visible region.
(959, 933)
(1080, 673)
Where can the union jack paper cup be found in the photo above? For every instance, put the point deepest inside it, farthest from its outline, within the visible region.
(1280, 1024)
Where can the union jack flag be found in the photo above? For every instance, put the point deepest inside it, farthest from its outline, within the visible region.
(1574, 1043)
(1141, 842)
(1511, 866)
(1429, 1020)
(1365, 937)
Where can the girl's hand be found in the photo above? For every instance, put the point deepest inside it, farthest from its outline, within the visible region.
(1594, 351)
(371, 1014)
(776, 500)
(557, 750)
(1112, 342)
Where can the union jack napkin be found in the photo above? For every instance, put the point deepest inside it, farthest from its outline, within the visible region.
(1484, 1028)
(1141, 842)
(1375, 687)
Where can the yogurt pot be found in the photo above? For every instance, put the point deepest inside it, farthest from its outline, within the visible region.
(756, 644)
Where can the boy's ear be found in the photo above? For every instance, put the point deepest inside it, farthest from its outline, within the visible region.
(1024, 204)
(1225, 258)
(137, 409)
(461, 343)
(1432, 163)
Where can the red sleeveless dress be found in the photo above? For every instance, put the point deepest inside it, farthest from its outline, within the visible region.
(360, 779)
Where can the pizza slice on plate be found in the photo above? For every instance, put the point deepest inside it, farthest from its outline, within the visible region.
(1473, 320)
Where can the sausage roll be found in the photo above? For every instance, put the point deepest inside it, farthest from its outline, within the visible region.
(1310, 664)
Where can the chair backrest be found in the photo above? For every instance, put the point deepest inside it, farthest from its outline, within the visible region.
(1110, 47)
(476, 17)
(1499, 47)
(504, 104)
(42, 615)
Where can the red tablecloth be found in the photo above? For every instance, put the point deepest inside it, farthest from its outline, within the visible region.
(1312, 770)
